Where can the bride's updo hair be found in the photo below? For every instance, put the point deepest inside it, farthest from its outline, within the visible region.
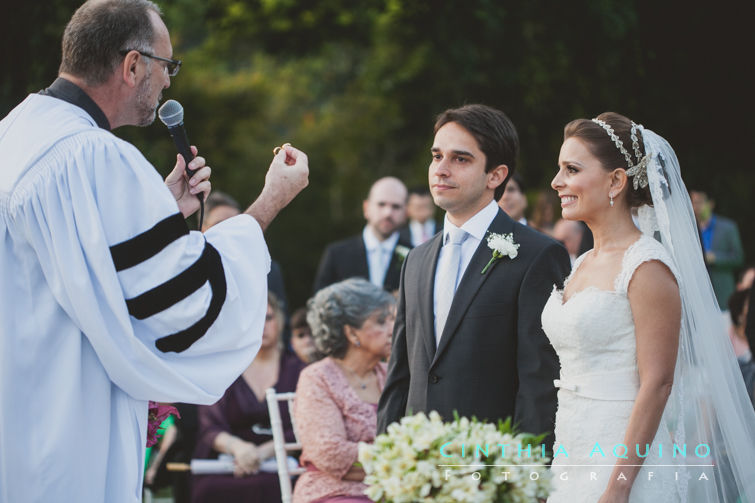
(600, 144)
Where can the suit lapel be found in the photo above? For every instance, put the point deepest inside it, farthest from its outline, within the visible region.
(361, 259)
(393, 273)
(426, 279)
(472, 280)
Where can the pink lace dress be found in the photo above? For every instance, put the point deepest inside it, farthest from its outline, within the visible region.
(331, 420)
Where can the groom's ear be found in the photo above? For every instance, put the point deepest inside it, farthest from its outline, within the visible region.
(497, 175)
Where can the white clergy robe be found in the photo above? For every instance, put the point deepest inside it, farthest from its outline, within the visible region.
(107, 300)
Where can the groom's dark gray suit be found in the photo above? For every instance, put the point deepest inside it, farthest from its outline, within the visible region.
(493, 360)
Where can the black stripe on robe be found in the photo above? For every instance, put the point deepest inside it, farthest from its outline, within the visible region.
(208, 267)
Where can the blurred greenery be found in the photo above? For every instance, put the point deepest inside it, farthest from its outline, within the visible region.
(357, 86)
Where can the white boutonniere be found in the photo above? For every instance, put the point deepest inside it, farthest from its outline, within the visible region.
(503, 245)
(401, 252)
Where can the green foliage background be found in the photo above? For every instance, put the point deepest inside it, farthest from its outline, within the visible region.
(357, 86)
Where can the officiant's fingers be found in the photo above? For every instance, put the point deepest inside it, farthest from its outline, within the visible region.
(203, 188)
(202, 174)
(177, 173)
(200, 181)
(294, 155)
(196, 164)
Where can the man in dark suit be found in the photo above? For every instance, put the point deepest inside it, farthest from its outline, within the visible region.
(378, 252)
(483, 352)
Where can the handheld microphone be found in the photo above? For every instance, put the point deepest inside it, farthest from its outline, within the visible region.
(171, 113)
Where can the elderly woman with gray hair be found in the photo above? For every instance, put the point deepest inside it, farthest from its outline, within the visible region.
(336, 398)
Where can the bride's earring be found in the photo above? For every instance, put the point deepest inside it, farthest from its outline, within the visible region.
(611, 199)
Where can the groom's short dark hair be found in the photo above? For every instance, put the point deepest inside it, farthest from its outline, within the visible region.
(494, 132)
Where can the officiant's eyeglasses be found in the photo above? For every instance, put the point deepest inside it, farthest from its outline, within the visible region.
(172, 65)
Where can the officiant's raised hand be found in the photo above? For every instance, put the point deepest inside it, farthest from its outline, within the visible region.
(185, 189)
(287, 176)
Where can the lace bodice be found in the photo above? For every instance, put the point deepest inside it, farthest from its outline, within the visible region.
(593, 331)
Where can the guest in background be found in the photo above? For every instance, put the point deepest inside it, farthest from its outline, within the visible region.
(587, 243)
(336, 399)
(378, 252)
(514, 200)
(543, 214)
(220, 206)
(746, 278)
(739, 306)
(239, 423)
(738, 309)
(721, 245)
(569, 232)
(301, 336)
(155, 476)
(420, 210)
(750, 327)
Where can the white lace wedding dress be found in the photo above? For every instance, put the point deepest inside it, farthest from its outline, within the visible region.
(593, 334)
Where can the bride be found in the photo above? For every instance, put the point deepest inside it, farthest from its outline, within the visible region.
(651, 404)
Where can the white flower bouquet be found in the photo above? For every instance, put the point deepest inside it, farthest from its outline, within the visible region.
(423, 459)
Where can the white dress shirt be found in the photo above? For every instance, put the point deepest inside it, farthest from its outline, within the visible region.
(476, 227)
(379, 254)
(421, 232)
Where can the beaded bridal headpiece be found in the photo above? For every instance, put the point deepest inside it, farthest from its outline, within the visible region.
(640, 170)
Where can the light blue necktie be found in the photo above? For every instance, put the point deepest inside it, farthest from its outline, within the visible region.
(448, 277)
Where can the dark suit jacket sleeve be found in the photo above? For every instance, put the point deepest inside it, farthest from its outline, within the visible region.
(537, 361)
(326, 274)
(392, 404)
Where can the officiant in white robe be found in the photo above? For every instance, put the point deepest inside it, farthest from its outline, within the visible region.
(108, 300)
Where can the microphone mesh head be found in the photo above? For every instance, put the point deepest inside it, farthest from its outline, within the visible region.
(171, 113)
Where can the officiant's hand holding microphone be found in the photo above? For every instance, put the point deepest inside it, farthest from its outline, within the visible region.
(185, 188)
(287, 176)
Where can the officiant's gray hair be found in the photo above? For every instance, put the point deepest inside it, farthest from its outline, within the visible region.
(349, 302)
(99, 31)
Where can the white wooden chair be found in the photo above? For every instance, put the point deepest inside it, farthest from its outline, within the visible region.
(279, 441)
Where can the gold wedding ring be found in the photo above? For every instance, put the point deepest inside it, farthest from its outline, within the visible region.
(278, 149)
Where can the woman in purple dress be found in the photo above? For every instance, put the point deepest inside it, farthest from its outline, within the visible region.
(239, 424)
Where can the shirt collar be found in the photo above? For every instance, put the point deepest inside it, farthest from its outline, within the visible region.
(68, 91)
(372, 243)
(419, 227)
(477, 225)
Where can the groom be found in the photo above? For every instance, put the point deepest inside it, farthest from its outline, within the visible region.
(466, 341)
